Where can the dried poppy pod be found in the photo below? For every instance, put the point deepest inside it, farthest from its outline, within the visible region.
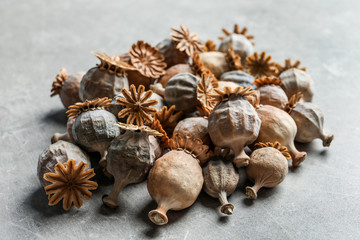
(67, 136)
(260, 65)
(268, 167)
(181, 92)
(71, 183)
(67, 86)
(277, 125)
(106, 79)
(185, 41)
(196, 127)
(240, 78)
(216, 62)
(295, 80)
(220, 179)
(168, 118)
(174, 70)
(222, 85)
(240, 41)
(234, 123)
(130, 157)
(94, 127)
(176, 179)
(309, 120)
(172, 55)
(271, 92)
(59, 152)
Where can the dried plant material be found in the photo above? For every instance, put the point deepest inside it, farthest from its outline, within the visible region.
(276, 145)
(214, 62)
(192, 146)
(238, 77)
(233, 59)
(59, 82)
(194, 127)
(168, 119)
(292, 102)
(277, 125)
(295, 80)
(67, 136)
(70, 183)
(203, 111)
(238, 31)
(88, 105)
(147, 60)
(220, 181)
(137, 105)
(224, 95)
(288, 65)
(205, 90)
(267, 168)
(209, 46)
(185, 41)
(260, 66)
(173, 56)
(199, 69)
(113, 64)
(158, 88)
(172, 71)
(265, 81)
(164, 140)
(142, 128)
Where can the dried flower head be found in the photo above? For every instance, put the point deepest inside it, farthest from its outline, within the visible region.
(192, 146)
(223, 95)
(114, 65)
(238, 31)
(133, 128)
(199, 68)
(205, 89)
(265, 81)
(292, 102)
(137, 105)
(147, 60)
(185, 41)
(288, 65)
(275, 145)
(70, 183)
(78, 108)
(233, 59)
(260, 66)
(168, 119)
(203, 111)
(59, 82)
(210, 46)
(164, 140)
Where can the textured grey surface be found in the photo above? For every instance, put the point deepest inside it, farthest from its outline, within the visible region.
(319, 200)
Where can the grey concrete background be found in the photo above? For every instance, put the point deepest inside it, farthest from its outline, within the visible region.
(319, 200)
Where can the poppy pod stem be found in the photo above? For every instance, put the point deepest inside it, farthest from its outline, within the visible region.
(241, 159)
(111, 200)
(226, 208)
(60, 136)
(327, 139)
(297, 157)
(158, 216)
(251, 192)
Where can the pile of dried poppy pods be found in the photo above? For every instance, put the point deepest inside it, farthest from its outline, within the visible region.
(183, 115)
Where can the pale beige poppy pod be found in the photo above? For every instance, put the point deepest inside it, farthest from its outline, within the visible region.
(295, 80)
(271, 92)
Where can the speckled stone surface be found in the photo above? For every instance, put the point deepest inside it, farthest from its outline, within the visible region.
(319, 200)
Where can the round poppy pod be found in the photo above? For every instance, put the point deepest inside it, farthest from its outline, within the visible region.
(272, 95)
(241, 45)
(295, 80)
(277, 125)
(267, 168)
(234, 124)
(59, 152)
(239, 77)
(196, 127)
(181, 92)
(172, 55)
(215, 62)
(309, 120)
(174, 70)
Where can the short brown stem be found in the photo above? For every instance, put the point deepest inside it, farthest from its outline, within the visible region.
(158, 216)
(241, 160)
(327, 139)
(251, 192)
(58, 136)
(298, 158)
(112, 199)
(226, 208)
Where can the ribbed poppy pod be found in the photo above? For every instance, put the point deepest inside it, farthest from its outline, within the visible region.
(295, 80)
(309, 119)
(172, 55)
(268, 167)
(174, 70)
(176, 179)
(94, 127)
(215, 61)
(196, 127)
(271, 92)
(67, 136)
(239, 77)
(59, 152)
(241, 45)
(67, 86)
(130, 157)
(277, 125)
(105, 80)
(234, 123)
(181, 92)
(220, 179)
